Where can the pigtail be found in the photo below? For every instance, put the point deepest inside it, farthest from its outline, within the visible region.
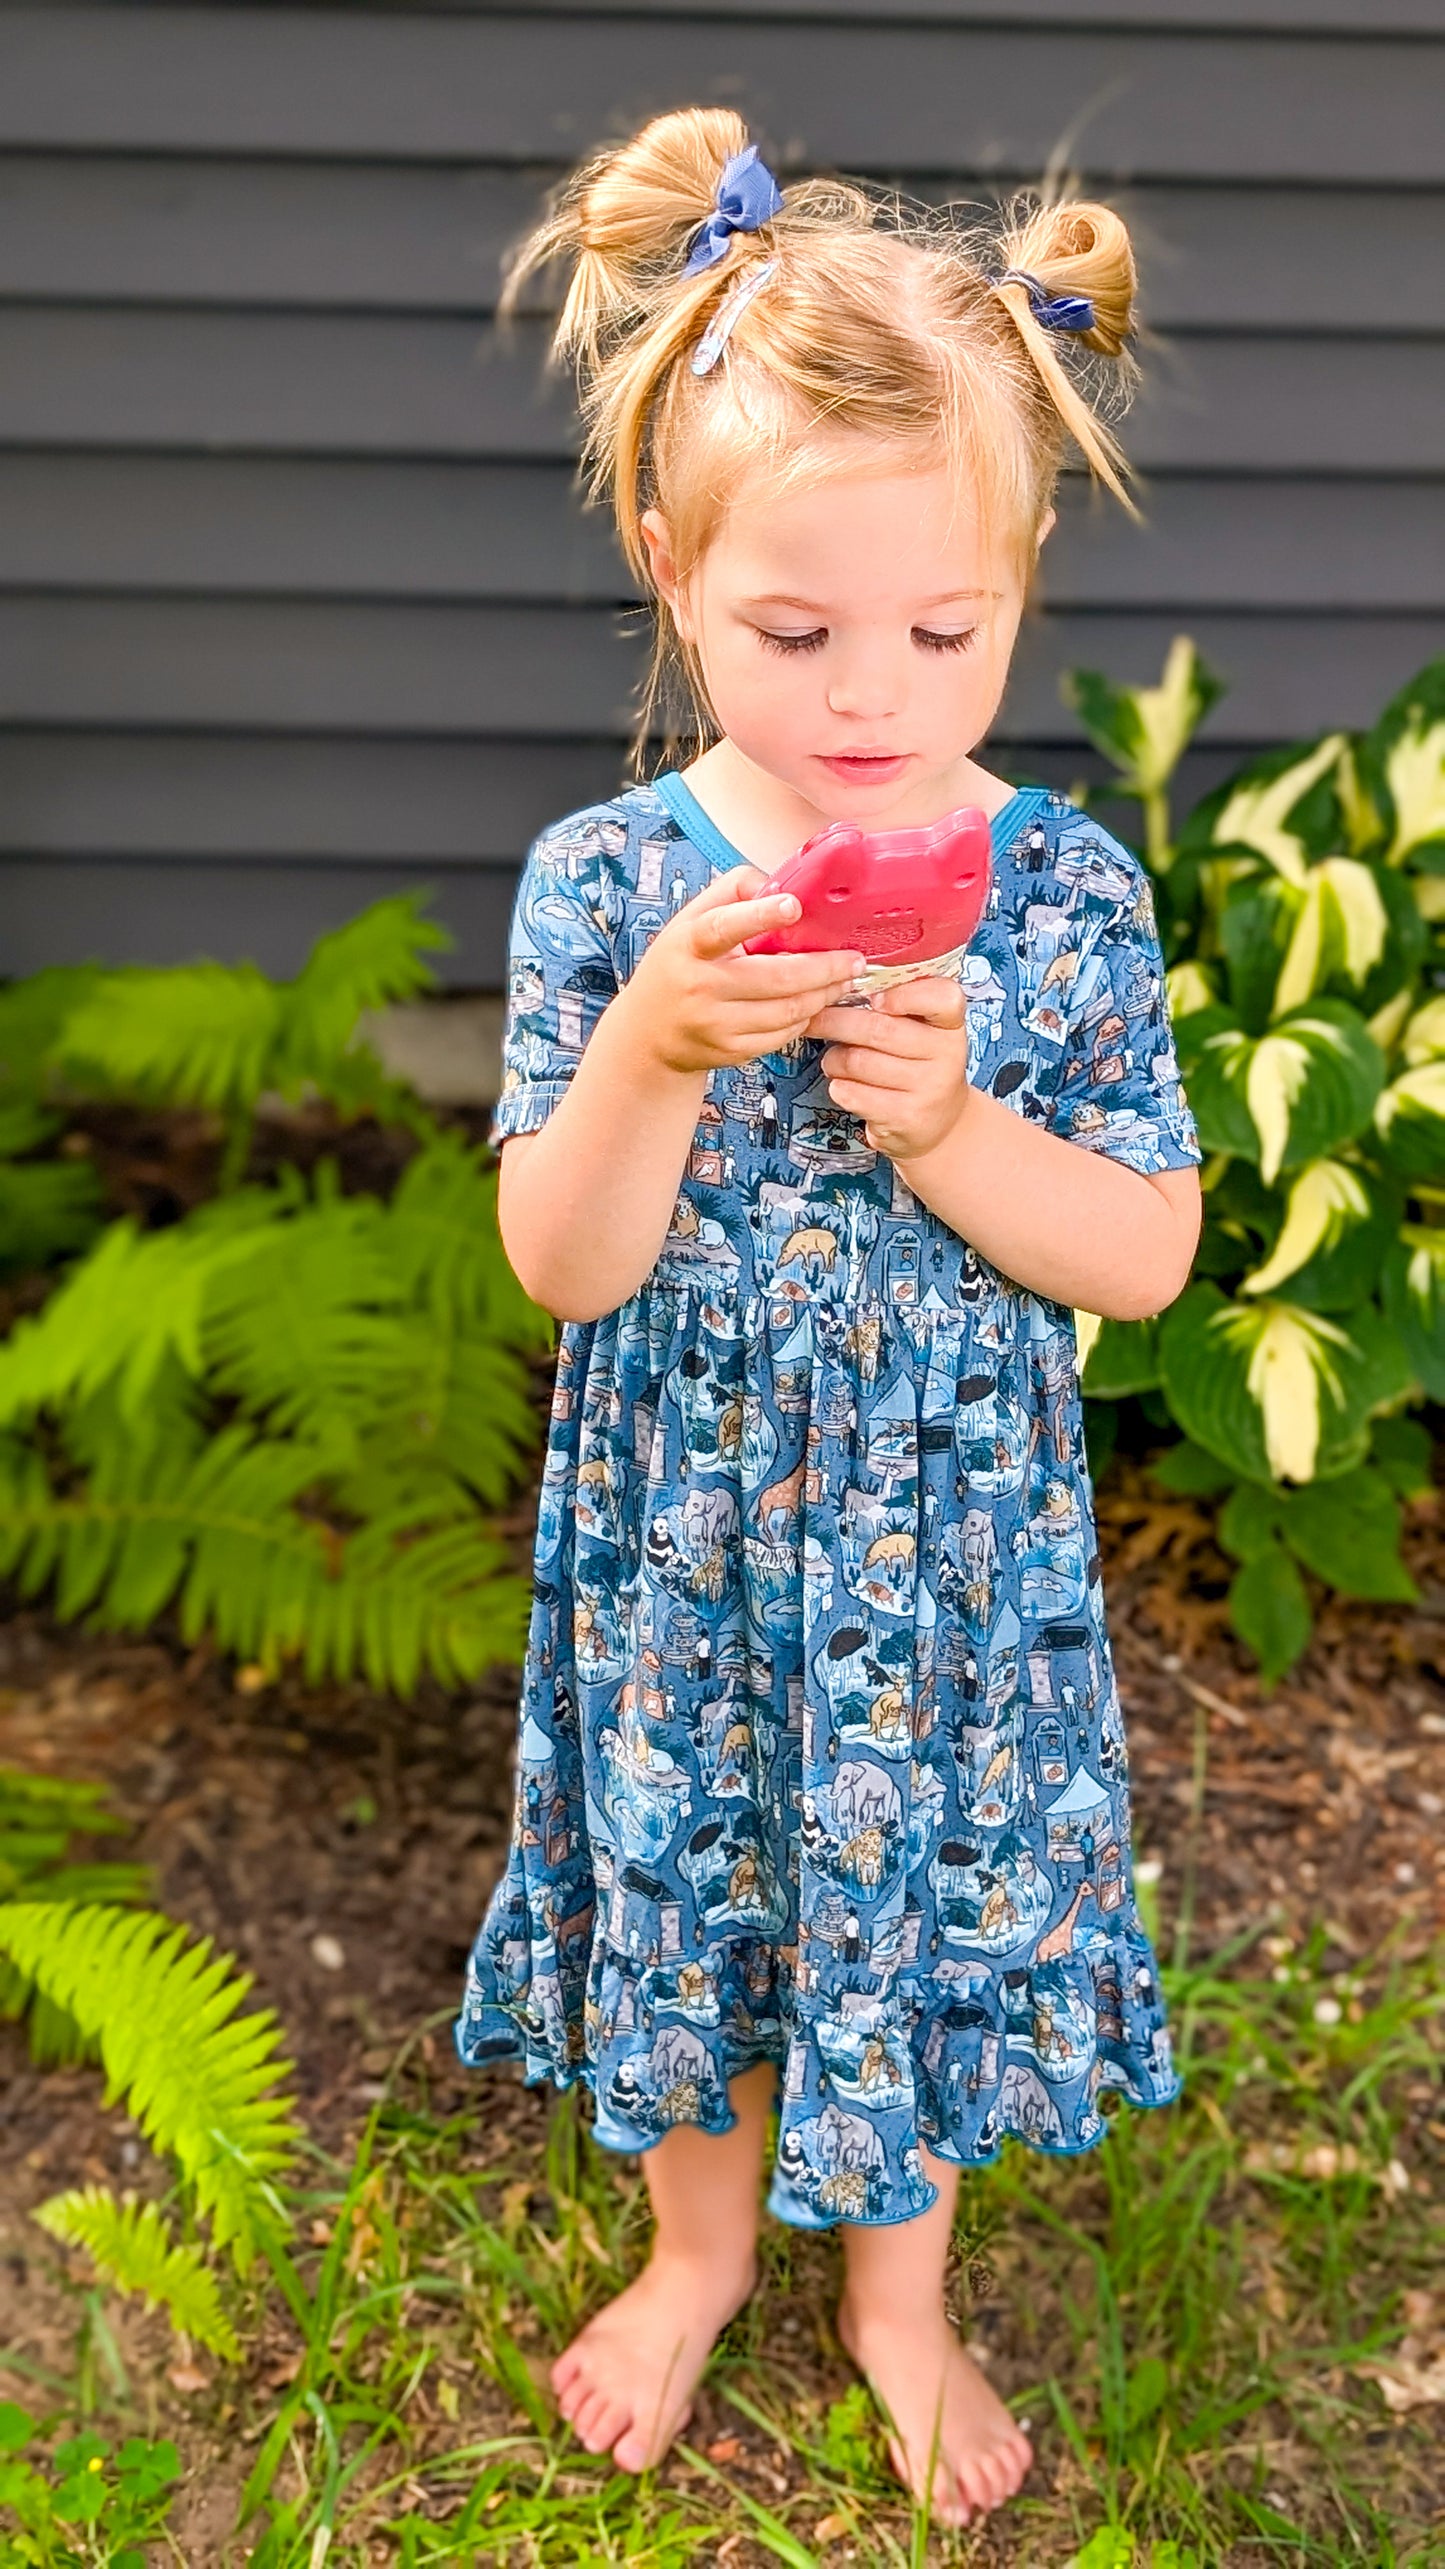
(624, 219)
(1070, 251)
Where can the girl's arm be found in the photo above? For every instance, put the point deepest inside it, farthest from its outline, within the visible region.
(1061, 1220)
(585, 1203)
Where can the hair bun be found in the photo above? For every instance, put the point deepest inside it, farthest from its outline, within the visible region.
(625, 217)
(1081, 249)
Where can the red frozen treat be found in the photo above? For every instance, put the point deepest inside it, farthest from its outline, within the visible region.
(896, 896)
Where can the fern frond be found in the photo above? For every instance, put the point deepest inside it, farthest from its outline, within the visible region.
(134, 1302)
(305, 1328)
(221, 1536)
(374, 960)
(32, 1013)
(39, 1814)
(441, 1234)
(194, 2074)
(130, 2246)
(48, 1209)
(199, 1034)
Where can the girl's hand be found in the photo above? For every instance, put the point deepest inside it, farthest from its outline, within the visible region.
(700, 1003)
(901, 1063)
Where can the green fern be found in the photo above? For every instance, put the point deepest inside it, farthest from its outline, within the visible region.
(130, 2246)
(219, 1035)
(39, 1815)
(48, 1209)
(222, 1536)
(194, 2074)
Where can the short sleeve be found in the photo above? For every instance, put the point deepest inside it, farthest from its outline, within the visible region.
(1118, 1088)
(561, 971)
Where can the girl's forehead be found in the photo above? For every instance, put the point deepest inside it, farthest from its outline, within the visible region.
(860, 532)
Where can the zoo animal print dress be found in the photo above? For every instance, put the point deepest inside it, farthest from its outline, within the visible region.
(821, 1757)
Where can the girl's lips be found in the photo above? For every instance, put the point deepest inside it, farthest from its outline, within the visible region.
(868, 770)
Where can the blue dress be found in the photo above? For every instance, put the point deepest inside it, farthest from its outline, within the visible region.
(821, 1759)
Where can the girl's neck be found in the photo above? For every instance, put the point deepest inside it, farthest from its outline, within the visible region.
(768, 821)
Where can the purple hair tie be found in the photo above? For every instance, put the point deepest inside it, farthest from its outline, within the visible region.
(1053, 311)
(748, 196)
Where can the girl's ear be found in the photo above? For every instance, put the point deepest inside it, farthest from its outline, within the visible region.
(1046, 526)
(657, 536)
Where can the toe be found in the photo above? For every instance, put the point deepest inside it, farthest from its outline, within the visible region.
(598, 2420)
(630, 2450)
(566, 2369)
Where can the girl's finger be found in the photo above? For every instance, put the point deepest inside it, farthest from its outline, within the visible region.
(880, 1071)
(718, 925)
(906, 1038)
(932, 996)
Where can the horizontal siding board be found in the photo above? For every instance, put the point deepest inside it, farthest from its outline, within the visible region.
(321, 383)
(400, 238)
(139, 912)
(1137, 102)
(362, 802)
(535, 671)
(213, 524)
(1256, 17)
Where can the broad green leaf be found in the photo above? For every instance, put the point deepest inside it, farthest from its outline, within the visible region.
(1277, 1392)
(1423, 1039)
(1123, 1358)
(1189, 988)
(1270, 1611)
(1256, 924)
(1403, 1451)
(1145, 730)
(1410, 1120)
(1348, 1532)
(1414, 1297)
(1249, 1520)
(1291, 1095)
(1326, 1201)
(1340, 929)
(1257, 815)
(1415, 776)
(1188, 1469)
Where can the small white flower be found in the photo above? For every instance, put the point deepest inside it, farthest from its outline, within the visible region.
(1328, 2011)
(1149, 1869)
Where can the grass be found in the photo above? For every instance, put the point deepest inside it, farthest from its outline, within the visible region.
(1182, 2314)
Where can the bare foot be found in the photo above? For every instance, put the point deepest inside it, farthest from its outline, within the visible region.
(914, 2364)
(627, 2379)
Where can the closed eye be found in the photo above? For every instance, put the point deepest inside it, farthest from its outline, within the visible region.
(927, 640)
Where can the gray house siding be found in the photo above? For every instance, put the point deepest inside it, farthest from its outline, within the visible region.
(297, 604)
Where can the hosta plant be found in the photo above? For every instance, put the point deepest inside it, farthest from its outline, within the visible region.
(1301, 907)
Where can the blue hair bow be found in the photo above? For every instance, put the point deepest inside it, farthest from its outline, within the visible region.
(748, 196)
(1053, 311)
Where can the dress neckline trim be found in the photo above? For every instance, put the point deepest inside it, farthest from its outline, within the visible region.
(698, 825)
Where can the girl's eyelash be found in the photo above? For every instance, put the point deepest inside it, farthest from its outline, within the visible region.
(788, 642)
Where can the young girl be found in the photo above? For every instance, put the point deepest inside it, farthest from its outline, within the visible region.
(822, 1797)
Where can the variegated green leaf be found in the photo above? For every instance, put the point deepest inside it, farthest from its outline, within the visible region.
(1257, 815)
(1410, 1120)
(1325, 1200)
(1145, 730)
(1424, 1034)
(1287, 1096)
(1190, 988)
(1415, 775)
(1414, 1297)
(1277, 1392)
(1341, 928)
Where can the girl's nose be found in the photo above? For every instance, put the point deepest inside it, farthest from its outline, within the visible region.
(865, 684)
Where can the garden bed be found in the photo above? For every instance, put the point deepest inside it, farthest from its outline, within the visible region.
(342, 1845)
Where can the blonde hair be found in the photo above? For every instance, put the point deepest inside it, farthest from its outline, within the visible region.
(886, 319)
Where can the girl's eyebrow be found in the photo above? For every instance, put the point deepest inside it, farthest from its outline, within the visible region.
(949, 598)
